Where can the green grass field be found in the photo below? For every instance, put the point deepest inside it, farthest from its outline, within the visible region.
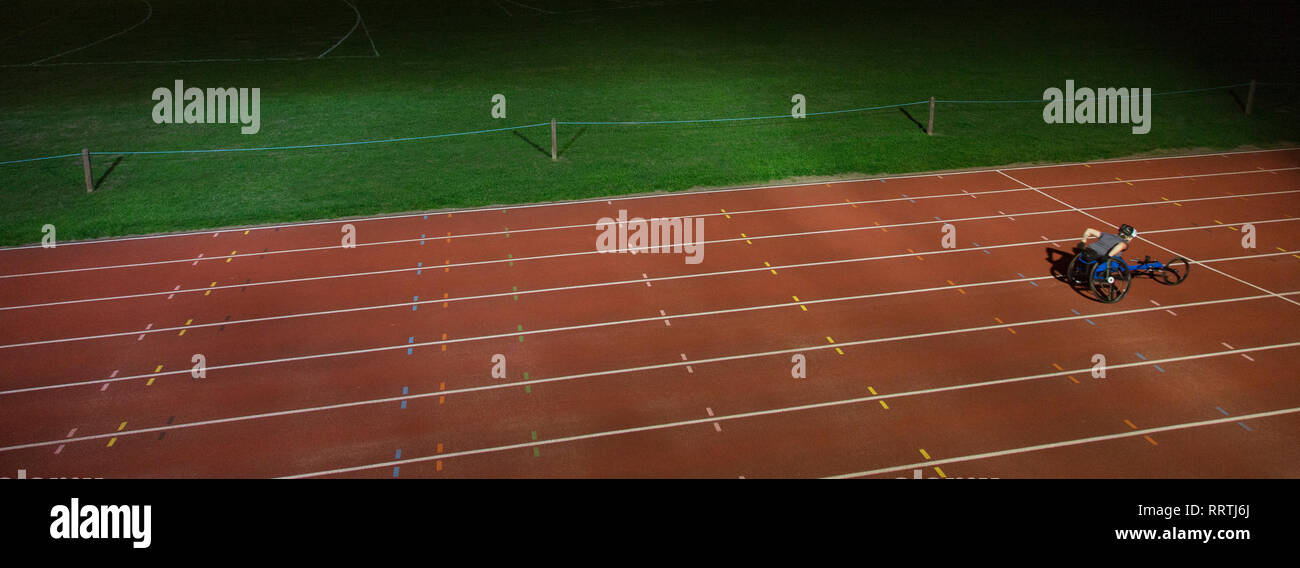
(440, 63)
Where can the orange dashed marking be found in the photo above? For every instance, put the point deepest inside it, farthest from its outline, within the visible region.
(1153, 442)
(1130, 424)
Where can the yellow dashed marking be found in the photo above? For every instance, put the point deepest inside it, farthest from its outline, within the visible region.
(245, 232)
(206, 292)
(112, 441)
(939, 471)
(1164, 198)
(829, 340)
(724, 211)
(871, 390)
(158, 369)
(838, 350)
(1218, 221)
(883, 405)
(1281, 249)
(121, 426)
(149, 383)
(924, 454)
(232, 256)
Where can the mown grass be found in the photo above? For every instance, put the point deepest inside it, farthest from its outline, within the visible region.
(441, 62)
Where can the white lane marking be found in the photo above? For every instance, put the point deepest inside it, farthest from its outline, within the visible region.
(629, 430)
(636, 197)
(195, 260)
(779, 411)
(1067, 443)
(569, 254)
(104, 39)
(815, 347)
(349, 34)
(584, 286)
(1149, 241)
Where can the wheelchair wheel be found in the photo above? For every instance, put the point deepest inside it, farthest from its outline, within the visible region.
(1074, 272)
(1174, 272)
(1112, 283)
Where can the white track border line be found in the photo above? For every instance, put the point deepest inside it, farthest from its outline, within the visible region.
(1066, 443)
(624, 283)
(24, 32)
(699, 215)
(816, 347)
(349, 34)
(635, 197)
(785, 410)
(1149, 241)
(842, 402)
(102, 40)
(590, 252)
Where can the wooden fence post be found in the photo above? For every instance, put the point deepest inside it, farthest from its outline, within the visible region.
(929, 128)
(1250, 97)
(85, 166)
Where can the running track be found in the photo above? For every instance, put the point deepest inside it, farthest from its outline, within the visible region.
(974, 361)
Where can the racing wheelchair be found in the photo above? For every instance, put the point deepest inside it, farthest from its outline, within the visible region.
(1109, 278)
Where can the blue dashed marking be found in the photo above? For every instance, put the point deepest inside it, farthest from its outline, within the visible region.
(396, 469)
(1243, 425)
(1221, 410)
(399, 452)
(414, 306)
(418, 265)
(1076, 312)
(409, 350)
(421, 238)
(1034, 283)
(1090, 322)
(1158, 368)
(1140, 356)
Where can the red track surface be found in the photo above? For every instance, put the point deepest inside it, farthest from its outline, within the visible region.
(965, 362)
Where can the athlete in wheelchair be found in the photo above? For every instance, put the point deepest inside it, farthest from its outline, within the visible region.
(1100, 266)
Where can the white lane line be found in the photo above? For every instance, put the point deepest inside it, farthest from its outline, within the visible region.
(535, 9)
(858, 400)
(24, 31)
(1149, 241)
(1067, 443)
(174, 61)
(195, 260)
(815, 347)
(635, 197)
(102, 40)
(365, 29)
(552, 256)
(349, 34)
(604, 284)
(783, 411)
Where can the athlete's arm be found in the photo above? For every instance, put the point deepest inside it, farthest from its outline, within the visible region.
(1089, 234)
(1115, 250)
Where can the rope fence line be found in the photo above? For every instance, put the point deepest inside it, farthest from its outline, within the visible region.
(85, 154)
